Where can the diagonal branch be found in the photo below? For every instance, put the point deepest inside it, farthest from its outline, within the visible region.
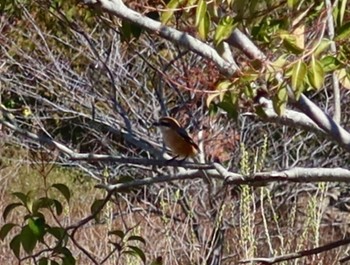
(300, 254)
(117, 8)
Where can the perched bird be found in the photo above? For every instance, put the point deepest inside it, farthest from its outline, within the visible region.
(176, 138)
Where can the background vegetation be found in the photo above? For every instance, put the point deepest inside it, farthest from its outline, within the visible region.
(262, 86)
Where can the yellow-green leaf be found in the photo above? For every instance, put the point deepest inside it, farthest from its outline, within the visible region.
(171, 6)
(298, 77)
(343, 33)
(201, 11)
(299, 36)
(316, 73)
(279, 62)
(292, 3)
(211, 97)
(202, 19)
(343, 77)
(221, 90)
(223, 87)
(224, 29)
(342, 10)
(323, 45)
(203, 27)
(330, 63)
(290, 42)
(280, 100)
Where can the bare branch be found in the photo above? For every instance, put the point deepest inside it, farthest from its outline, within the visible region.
(333, 48)
(300, 254)
(289, 117)
(323, 120)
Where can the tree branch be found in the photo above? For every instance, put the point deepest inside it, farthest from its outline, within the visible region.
(300, 254)
(333, 48)
(117, 8)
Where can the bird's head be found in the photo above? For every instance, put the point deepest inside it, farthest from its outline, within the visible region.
(167, 122)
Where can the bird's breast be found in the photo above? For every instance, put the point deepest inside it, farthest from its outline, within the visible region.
(178, 145)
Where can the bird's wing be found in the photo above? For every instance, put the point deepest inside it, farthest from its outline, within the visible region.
(185, 135)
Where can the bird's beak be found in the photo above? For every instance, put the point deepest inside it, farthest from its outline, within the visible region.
(156, 123)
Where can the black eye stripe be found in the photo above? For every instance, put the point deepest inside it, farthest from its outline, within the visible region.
(164, 123)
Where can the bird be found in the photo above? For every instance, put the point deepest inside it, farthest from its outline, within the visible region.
(176, 138)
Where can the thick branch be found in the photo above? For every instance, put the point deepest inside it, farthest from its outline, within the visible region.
(323, 120)
(300, 175)
(289, 117)
(117, 8)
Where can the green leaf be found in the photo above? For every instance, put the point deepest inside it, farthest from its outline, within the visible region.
(59, 233)
(201, 11)
(42, 202)
(15, 245)
(342, 10)
(280, 62)
(344, 77)
(5, 229)
(323, 45)
(290, 43)
(118, 233)
(316, 73)
(343, 32)
(58, 207)
(37, 226)
(96, 206)
(137, 238)
(22, 197)
(203, 28)
(280, 100)
(230, 104)
(224, 29)
(44, 261)
(171, 6)
(292, 3)
(68, 258)
(33, 227)
(210, 98)
(298, 77)
(63, 189)
(330, 63)
(138, 252)
(224, 87)
(130, 30)
(202, 19)
(71, 13)
(28, 239)
(125, 179)
(9, 209)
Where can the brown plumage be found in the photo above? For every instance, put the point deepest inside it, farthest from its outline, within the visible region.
(176, 138)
